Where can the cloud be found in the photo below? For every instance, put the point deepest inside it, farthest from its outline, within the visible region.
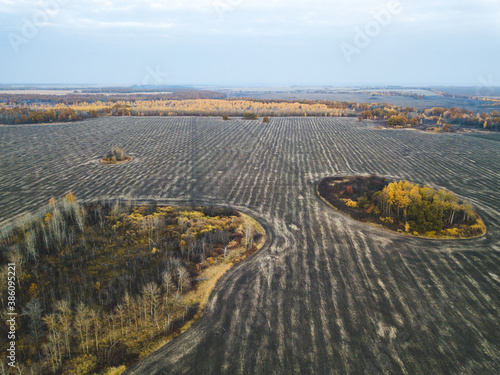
(253, 17)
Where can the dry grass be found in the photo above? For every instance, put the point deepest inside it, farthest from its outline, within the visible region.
(115, 370)
(108, 162)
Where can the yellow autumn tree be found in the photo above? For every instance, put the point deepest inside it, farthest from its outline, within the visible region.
(70, 197)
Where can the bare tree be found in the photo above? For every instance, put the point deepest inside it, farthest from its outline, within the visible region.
(50, 356)
(30, 239)
(54, 339)
(64, 319)
(182, 279)
(151, 296)
(5, 234)
(120, 311)
(95, 319)
(110, 322)
(33, 311)
(249, 234)
(127, 308)
(83, 324)
(80, 218)
(167, 285)
(16, 257)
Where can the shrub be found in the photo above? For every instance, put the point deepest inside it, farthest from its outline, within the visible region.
(84, 364)
(265, 119)
(115, 370)
(397, 120)
(363, 201)
(225, 117)
(117, 154)
(366, 114)
(445, 128)
(351, 203)
(250, 116)
(374, 210)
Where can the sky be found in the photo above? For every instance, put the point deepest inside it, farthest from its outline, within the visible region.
(250, 42)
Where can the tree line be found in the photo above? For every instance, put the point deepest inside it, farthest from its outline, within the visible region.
(28, 110)
(439, 117)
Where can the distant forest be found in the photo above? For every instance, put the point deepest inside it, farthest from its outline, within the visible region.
(35, 109)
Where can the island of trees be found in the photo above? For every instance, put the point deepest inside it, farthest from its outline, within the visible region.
(116, 156)
(402, 206)
(103, 284)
